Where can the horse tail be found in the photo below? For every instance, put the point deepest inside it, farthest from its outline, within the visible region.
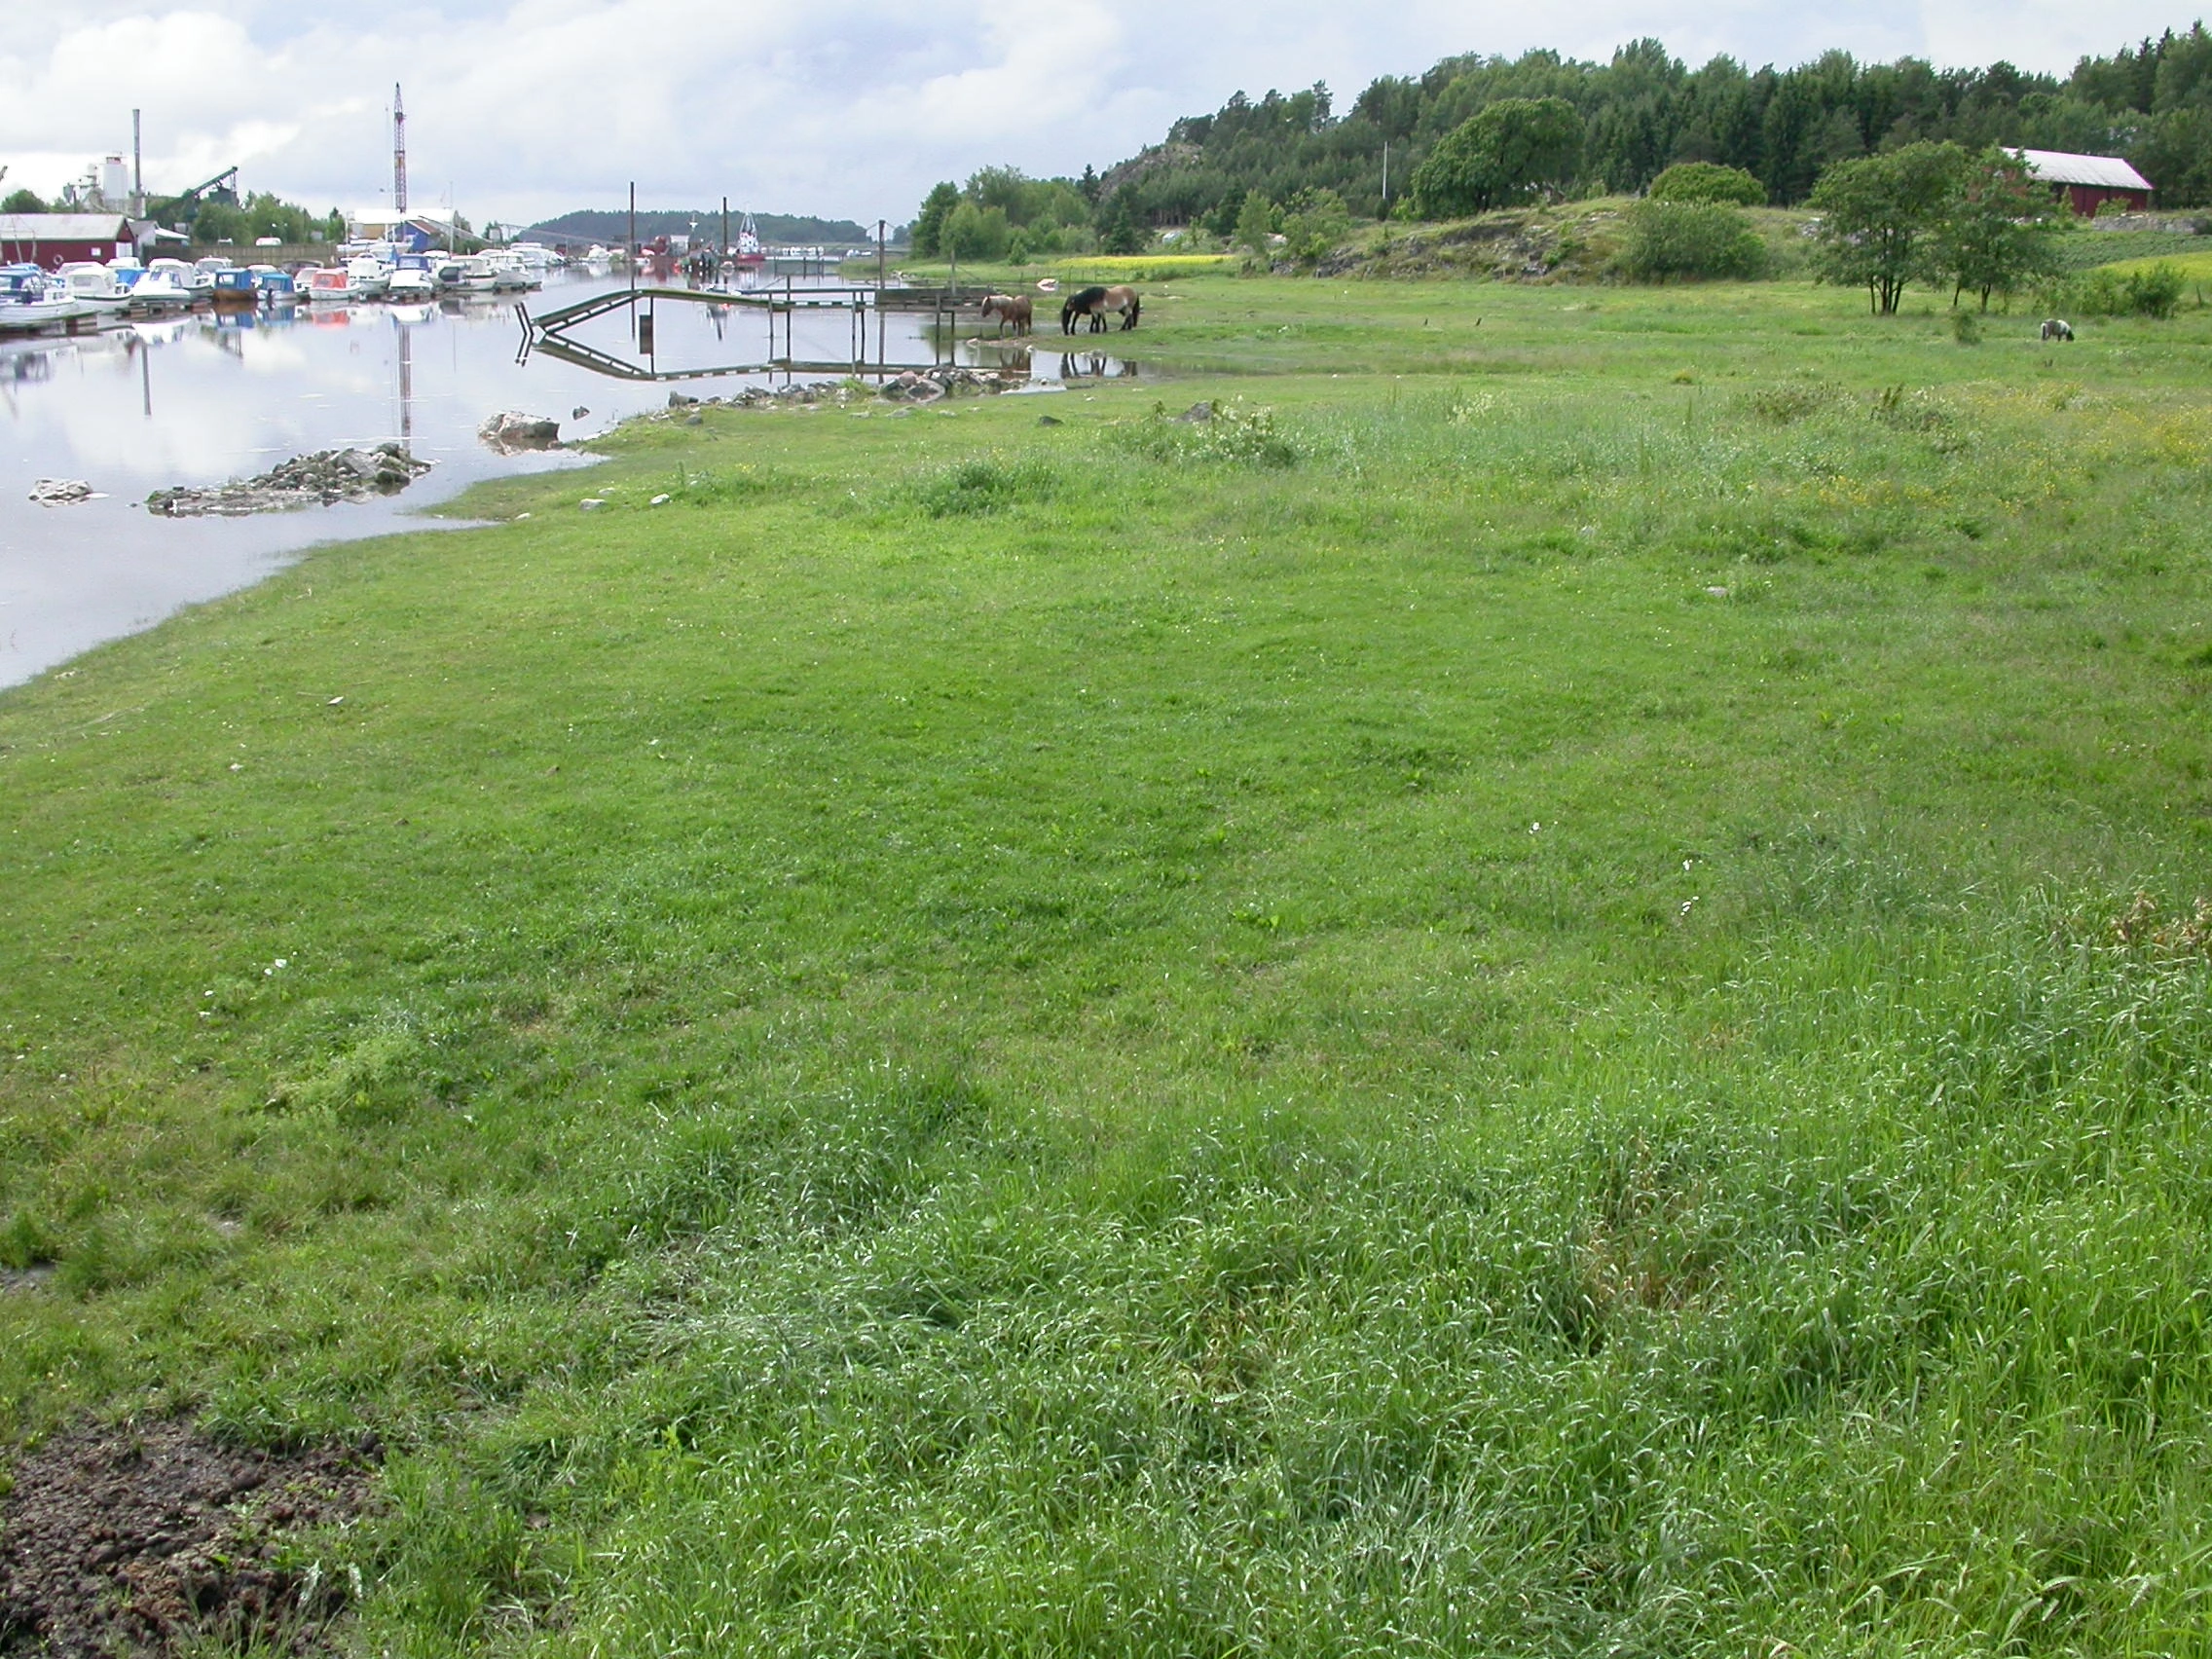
(1136, 305)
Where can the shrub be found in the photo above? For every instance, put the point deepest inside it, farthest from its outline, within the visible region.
(982, 484)
(1708, 181)
(976, 233)
(1691, 239)
(1316, 221)
(1232, 431)
(2154, 291)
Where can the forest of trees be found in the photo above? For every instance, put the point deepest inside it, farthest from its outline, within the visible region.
(1645, 110)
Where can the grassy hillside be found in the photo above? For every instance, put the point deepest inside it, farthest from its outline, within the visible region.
(1542, 992)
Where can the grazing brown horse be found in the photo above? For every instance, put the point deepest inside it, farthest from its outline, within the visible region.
(1016, 309)
(1096, 303)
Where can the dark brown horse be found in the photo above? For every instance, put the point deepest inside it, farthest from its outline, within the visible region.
(1096, 303)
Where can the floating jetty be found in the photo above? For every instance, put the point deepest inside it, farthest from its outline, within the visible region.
(550, 331)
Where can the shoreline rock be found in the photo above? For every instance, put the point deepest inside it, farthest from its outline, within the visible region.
(511, 433)
(61, 492)
(321, 479)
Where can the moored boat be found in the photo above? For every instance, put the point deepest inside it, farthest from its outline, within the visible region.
(95, 286)
(325, 285)
(412, 281)
(369, 276)
(509, 275)
(32, 298)
(158, 292)
(233, 290)
(466, 274)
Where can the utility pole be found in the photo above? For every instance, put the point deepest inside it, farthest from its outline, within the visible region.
(138, 170)
(1386, 178)
(631, 261)
(881, 225)
(398, 152)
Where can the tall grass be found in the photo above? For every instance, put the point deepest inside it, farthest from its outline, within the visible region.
(1573, 1022)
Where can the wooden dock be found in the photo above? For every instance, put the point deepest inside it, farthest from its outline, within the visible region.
(549, 331)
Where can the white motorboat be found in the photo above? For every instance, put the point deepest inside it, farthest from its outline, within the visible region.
(509, 275)
(31, 297)
(97, 287)
(466, 274)
(152, 292)
(412, 281)
(536, 258)
(157, 292)
(370, 277)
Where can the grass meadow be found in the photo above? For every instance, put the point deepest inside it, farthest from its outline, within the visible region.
(1543, 993)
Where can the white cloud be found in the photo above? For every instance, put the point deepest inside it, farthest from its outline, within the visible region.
(524, 108)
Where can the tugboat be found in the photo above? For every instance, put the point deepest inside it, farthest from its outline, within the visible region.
(749, 254)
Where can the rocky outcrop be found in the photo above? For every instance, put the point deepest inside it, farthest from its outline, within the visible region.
(511, 433)
(321, 479)
(60, 492)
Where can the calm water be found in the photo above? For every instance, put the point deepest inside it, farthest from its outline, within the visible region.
(203, 399)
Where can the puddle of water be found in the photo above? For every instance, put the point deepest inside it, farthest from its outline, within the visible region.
(203, 399)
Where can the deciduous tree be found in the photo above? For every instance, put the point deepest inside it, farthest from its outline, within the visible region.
(1999, 230)
(1505, 152)
(929, 223)
(1880, 217)
(1256, 223)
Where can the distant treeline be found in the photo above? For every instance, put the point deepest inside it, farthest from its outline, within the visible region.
(613, 227)
(2150, 103)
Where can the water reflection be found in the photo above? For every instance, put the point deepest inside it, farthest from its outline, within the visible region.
(203, 399)
(1042, 364)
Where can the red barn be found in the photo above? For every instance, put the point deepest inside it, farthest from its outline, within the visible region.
(2088, 182)
(54, 239)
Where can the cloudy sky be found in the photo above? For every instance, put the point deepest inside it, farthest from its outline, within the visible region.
(518, 109)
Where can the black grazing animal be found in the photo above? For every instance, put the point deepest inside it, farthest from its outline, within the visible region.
(1094, 302)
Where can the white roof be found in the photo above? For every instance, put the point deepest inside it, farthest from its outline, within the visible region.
(65, 227)
(2059, 167)
(386, 216)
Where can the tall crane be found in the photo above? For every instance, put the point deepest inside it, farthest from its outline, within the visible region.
(223, 188)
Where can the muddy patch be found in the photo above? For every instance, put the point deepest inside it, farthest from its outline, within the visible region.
(156, 1538)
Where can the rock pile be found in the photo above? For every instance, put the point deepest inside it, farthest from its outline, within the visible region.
(60, 492)
(927, 386)
(511, 433)
(308, 480)
(915, 385)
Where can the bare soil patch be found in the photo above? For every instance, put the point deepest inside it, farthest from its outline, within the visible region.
(143, 1540)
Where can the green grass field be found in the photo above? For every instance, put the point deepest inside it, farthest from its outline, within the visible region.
(1542, 994)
